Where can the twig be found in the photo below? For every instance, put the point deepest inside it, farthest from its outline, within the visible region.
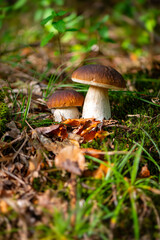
(16, 154)
(109, 153)
(118, 125)
(73, 196)
(13, 176)
(10, 143)
(19, 47)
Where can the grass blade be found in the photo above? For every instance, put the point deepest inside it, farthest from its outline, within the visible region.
(147, 134)
(136, 164)
(27, 107)
(134, 216)
(125, 159)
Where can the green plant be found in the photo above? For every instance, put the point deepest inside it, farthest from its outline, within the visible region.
(4, 112)
(122, 192)
(139, 25)
(56, 24)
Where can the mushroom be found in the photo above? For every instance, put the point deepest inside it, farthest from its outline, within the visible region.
(100, 78)
(64, 103)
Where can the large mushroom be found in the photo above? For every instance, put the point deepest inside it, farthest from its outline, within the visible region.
(100, 78)
(64, 103)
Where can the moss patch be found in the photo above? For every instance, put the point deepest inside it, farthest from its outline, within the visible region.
(4, 112)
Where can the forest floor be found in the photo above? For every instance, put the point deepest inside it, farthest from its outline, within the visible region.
(109, 189)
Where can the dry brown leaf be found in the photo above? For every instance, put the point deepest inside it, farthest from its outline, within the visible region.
(56, 146)
(35, 162)
(57, 130)
(4, 208)
(49, 129)
(26, 51)
(89, 136)
(144, 173)
(81, 124)
(101, 171)
(88, 129)
(93, 152)
(14, 132)
(102, 134)
(94, 134)
(78, 122)
(74, 137)
(71, 159)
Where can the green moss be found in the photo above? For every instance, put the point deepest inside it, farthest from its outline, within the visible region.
(95, 143)
(4, 116)
(2, 96)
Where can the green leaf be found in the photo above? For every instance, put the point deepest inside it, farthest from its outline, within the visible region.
(19, 4)
(71, 30)
(46, 20)
(103, 32)
(61, 13)
(150, 24)
(47, 39)
(1, 23)
(60, 26)
(105, 19)
(110, 40)
(95, 27)
(59, 2)
(50, 17)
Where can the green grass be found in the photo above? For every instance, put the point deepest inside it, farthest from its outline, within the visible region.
(116, 203)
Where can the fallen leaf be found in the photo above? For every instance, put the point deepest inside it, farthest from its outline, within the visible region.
(93, 152)
(94, 134)
(101, 171)
(88, 129)
(55, 146)
(89, 136)
(14, 131)
(26, 51)
(71, 159)
(4, 208)
(35, 162)
(57, 130)
(102, 134)
(77, 122)
(144, 173)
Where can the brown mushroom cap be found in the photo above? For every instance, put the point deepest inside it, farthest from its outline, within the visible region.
(65, 98)
(100, 76)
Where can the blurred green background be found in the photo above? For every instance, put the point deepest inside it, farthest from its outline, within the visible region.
(73, 31)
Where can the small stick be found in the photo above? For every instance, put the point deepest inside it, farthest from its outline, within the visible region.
(73, 197)
(13, 176)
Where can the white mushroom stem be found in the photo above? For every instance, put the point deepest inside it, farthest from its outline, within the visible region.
(61, 114)
(96, 104)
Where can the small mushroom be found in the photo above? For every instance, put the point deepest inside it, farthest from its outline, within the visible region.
(64, 103)
(100, 78)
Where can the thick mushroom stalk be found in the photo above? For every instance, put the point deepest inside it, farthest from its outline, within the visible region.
(96, 104)
(61, 114)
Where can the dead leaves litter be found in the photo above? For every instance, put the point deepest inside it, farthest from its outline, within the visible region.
(57, 130)
(31, 155)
